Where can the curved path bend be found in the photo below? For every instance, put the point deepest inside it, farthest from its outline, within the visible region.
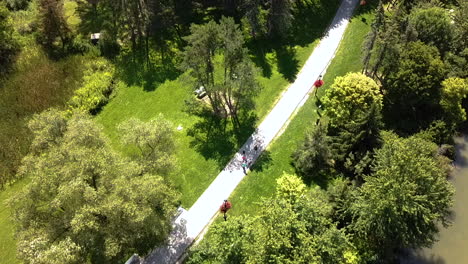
(190, 224)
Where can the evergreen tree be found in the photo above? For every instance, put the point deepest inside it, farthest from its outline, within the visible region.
(9, 46)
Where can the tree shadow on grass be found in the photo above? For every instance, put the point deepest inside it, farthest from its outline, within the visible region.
(288, 65)
(133, 69)
(258, 56)
(312, 19)
(263, 162)
(215, 138)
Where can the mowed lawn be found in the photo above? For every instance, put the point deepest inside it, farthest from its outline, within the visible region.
(261, 181)
(199, 161)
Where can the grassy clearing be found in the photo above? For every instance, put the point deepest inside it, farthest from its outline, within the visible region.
(261, 182)
(203, 154)
(7, 240)
(200, 157)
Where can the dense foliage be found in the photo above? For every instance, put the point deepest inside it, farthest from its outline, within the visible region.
(8, 43)
(85, 202)
(294, 227)
(403, 200)
(98, 87)
(217, 59)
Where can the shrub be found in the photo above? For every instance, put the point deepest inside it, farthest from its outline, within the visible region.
(98, 85)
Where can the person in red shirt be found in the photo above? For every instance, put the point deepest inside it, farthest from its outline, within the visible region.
(224, 208)
(318, 83)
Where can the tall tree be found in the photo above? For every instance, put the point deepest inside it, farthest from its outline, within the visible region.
(9, 46)
(217, 59)
(53, 24)
(412, 86)
(402, 202)
(85, 203)
(314, 156)
(432, 25)
(280, 17)
(256, 16)
(454, 90)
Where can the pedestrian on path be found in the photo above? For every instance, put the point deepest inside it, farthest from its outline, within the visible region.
(318, 83)
(224, 208)
(244, 158)
(244, 167)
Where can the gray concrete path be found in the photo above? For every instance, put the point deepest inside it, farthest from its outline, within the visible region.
(190, 224)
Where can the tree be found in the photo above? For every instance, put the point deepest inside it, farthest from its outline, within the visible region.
(53, 24)
(371, 38)
(154, 140)
(9, 46)
(405, 198)
(432, 26)
(314, 155)
(216, 58)
(279, 17)
(290, 188)
(454, 90)
(353, 142)
(255, 16)
(85, 203)
(350, 96)
(412, 87)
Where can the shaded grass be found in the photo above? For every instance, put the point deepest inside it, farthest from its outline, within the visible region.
(261, 181)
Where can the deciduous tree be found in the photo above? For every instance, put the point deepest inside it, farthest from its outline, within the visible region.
(402, 202)
(412, 86)
(85, 203)
(217, 59)
(432, 26)
(154, 140)
(454, 90)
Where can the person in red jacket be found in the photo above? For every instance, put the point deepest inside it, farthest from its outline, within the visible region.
(318, 83)
(224, 208)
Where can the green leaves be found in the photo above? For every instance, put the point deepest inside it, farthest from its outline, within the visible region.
(401, 203)
(97, 89)
(350, 95)
(217, 59)
(9, 46)
(454, 90)
(86, 203)
(284, 231)
(154, 140)
(432, 26)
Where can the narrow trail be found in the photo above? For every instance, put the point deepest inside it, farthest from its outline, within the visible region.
(190, 224)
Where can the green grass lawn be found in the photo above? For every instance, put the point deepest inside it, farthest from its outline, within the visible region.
(199, 161)
(7, 240)
(261, 182)
(201, 158)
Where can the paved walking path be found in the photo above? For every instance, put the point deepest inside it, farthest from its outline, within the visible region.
(189, 224)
